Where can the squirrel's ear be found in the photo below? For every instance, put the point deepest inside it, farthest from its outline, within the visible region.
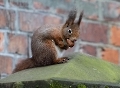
(80, 18)
(71, 17)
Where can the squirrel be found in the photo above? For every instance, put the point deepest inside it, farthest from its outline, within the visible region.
(49, 41)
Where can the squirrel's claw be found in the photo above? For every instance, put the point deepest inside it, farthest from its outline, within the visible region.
(63, 60)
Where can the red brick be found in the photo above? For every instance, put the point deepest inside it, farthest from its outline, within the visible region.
(5, 64)
(94, 32)
(3, 19)
(110, 55)
(92, 17)
(30, 21)
(1, 2)
(111, 11)
(62, 11)
(115, 35)
(20, 4)
(7, 19)
(89, 49)
(48, 19)
(39, 5)
(68, 0)
(11, 19)
(90, 1)
(91, 8)
(1, 41)
(17, 44)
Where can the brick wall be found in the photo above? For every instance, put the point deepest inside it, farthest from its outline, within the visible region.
(100, 28)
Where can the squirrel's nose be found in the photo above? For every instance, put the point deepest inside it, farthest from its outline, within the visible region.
(74, 39)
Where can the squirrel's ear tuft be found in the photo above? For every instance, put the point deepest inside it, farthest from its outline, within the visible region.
(71, 17)
(80, 18)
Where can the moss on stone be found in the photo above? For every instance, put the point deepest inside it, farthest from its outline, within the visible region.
(79, 67)
(56, 84)
(81, 86)
(18, 85)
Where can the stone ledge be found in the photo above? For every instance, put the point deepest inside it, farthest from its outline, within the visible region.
(87, 70)
(59, 83)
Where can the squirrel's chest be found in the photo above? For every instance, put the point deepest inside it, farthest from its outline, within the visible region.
(59, 52)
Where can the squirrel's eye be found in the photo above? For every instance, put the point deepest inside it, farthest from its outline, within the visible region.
(70, 31)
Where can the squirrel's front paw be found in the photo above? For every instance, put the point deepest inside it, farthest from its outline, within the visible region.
(61, 60)
(70, 43)
(65, 47)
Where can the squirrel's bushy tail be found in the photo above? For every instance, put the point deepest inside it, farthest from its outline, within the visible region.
(24, 64)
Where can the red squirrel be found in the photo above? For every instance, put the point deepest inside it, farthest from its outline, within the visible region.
(48, 42)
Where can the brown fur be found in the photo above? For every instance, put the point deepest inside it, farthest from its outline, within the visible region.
(46, 38)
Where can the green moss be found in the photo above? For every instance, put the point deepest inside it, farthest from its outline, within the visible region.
(18, 85)
(81, 86)
(37, 86)
(106, 87)
(56, 84)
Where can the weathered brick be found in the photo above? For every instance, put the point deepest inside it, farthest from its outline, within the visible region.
(11, 18)
(90, 8)
(94, 32)
(39, 5)
(3, 19)
(66, 5)
(20, 4)
(89, 49)
(30, 21)
(115, 35)
(44, 4)
(111, 11)
(17, 44)
(5, 64)
(1, 41)
(68, 0)
(62, 11)
(1, 2)
(110, 55)
(7, 19)
(48, 19)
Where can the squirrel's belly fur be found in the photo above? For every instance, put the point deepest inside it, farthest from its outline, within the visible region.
(59, 51)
